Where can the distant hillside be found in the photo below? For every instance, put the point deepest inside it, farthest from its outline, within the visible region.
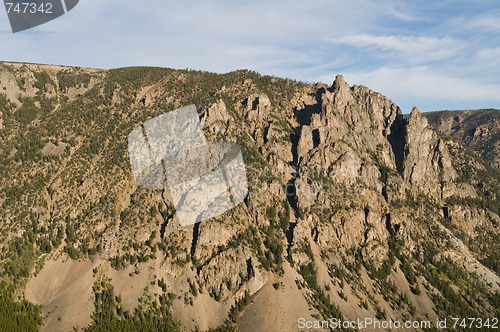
(477, 129)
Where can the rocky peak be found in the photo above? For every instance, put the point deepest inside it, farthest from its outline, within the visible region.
(339, 84)
(415, 111)
(351, 132)
(342, 92)
(427, 161)
(417, 119)
(216, 118)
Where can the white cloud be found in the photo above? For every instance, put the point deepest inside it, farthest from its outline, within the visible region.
(487, 22)
(411, 49)
(489, 53)
(480, 25)
(425, 85)
(404, 14)
(306, 40)
(220, 35)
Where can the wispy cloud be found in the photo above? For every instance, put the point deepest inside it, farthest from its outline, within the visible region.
(404, 14)
(411, 49)
(398, 47)
(489, 53)
(423, 86)
(486, 22)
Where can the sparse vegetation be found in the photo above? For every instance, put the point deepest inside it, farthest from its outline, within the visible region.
(84, 204)
(110, 316)
(17, 316)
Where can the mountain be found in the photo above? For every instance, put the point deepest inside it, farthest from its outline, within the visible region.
(354, 209)
(478, 130)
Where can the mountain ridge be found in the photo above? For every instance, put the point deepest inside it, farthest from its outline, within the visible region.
(342, 185)
(476, 129)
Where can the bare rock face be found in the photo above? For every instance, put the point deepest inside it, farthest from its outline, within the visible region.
(12, 90)
(256, 110)
(233, 270)
(427, 161)
(355, 138)
(306, 142)
(257, 107)
(336, 146)
(216, 119)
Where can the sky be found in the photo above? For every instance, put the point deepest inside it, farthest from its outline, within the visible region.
(431, 54)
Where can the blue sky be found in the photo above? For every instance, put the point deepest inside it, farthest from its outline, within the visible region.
(430, 54)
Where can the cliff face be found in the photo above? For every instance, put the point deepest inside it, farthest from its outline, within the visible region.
(353, 209)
